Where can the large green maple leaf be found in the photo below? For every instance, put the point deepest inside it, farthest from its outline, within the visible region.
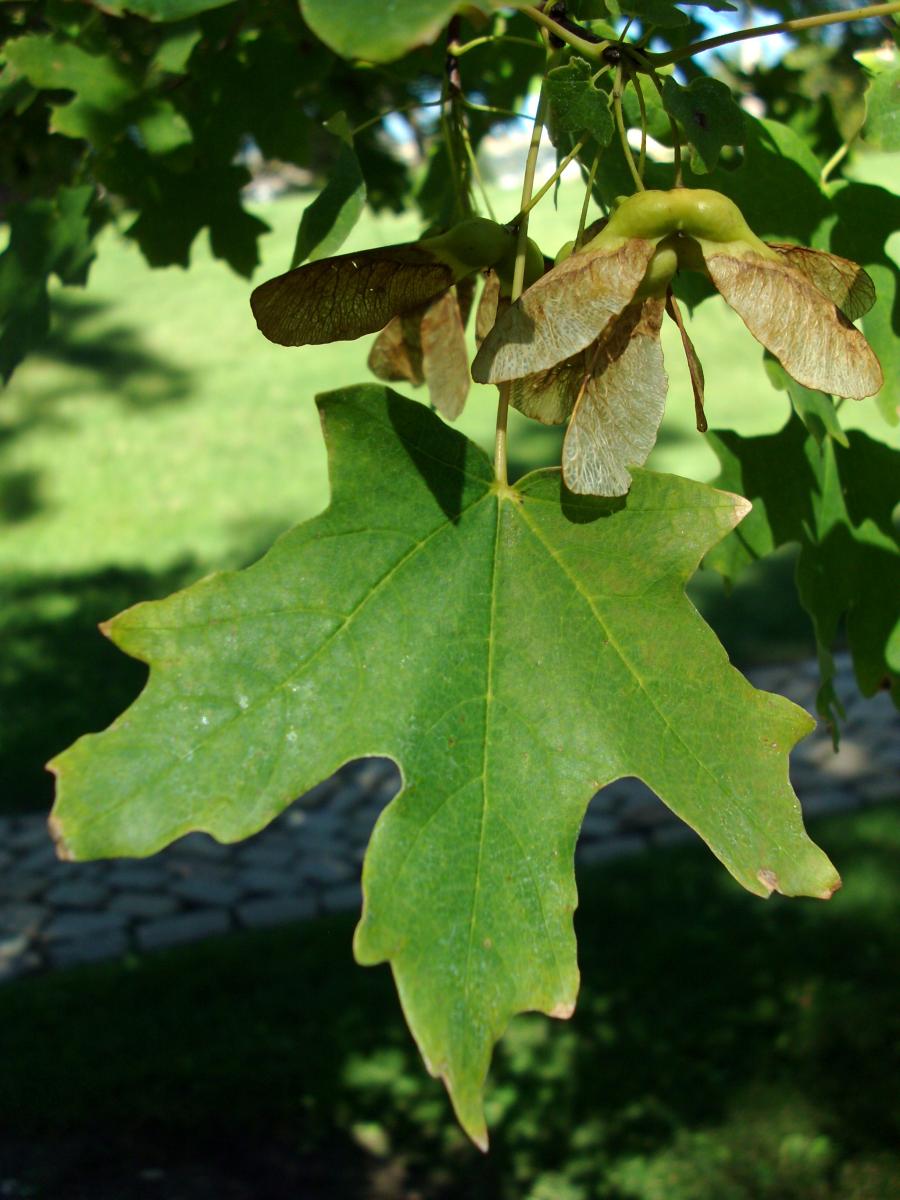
(513, 649)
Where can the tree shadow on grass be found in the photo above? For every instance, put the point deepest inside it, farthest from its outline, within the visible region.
(723, 1049)
(59, 677)
(113, 357)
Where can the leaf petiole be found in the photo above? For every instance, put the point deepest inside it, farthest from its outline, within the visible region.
(623, 134)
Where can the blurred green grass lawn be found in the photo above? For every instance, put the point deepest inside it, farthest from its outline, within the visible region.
(158, 436)
(722, 1049)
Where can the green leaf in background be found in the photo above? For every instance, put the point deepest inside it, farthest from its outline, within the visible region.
(377, 32)
(837, 504)
(162, 10)
(162, 127)
(866, 218)
(328, 220)
(882, 127)
(709, 116)
(46, 237)
(815, 409)
(101, 85)
(176, 48)
(712, 5)
(513, 650)
(662, 13)
(576, 105)
(179, 206)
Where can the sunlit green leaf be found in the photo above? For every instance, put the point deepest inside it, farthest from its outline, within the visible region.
(378, 32)
(576, 104)
(163, 128)
(102, 86)
(882, 128)
(557, 653)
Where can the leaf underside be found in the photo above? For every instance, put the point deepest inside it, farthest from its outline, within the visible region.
(513, 650)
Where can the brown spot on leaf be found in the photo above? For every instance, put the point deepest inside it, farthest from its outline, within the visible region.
(62, 848)
(768, 879)
(563, 1010)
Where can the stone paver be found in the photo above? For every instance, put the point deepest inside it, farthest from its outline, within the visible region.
(186, 927)
(308, 861)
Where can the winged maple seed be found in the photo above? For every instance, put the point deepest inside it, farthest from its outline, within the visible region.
(583, 342)
(349, 295)
(428, 345)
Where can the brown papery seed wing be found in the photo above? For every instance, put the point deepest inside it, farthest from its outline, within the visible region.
(616, 418)
(565, 311)
(807, 333)
(444, 355)
(549, 396)
(489, 306)
(337, 299)
(397, 351)
(842, 281)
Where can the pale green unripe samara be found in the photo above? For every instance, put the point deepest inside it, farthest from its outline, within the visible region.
(696, 212)
(470, 246)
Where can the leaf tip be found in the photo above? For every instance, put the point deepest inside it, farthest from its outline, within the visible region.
(741, 507)
(829, 891)
(770, 881)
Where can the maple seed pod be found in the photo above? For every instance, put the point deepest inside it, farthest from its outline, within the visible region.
(565, 250)
(698, 212)
(534, 266)
(470, 246)
(663, 265)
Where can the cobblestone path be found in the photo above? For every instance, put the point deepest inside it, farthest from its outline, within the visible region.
(307, 862)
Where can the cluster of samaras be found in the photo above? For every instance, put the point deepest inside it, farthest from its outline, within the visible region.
(582, 342)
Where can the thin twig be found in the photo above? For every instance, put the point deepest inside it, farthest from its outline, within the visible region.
(518, 280)
(545, 188)
(588, 192)
(623, 135)
(740, 35)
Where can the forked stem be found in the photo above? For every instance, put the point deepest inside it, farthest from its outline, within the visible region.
(557, 174)
(594, 50)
